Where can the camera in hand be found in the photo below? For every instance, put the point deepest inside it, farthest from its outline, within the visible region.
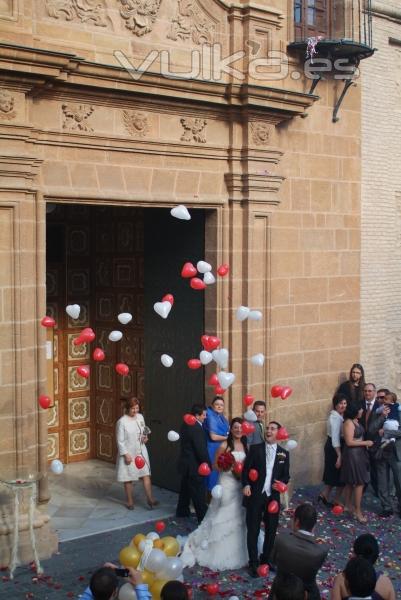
(121, 572)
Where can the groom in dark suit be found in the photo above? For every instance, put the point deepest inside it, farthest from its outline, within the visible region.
(272, 463)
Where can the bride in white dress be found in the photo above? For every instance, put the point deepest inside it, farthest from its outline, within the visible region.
(219, 542)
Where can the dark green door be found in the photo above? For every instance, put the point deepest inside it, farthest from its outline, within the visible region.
(170, 392)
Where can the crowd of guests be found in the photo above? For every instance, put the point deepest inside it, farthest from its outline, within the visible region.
(363, 446)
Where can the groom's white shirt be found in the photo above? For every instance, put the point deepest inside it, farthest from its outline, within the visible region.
(271, 450)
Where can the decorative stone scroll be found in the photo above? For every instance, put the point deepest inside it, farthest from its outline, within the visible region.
(139, 15)
(76, 115)
(194, 130)
(260, 132)
(83, 11)
(192, 21)
(6, 106)
(136, 123)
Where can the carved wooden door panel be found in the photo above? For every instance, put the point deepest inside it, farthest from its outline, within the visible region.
(170, 392)
(118, 273)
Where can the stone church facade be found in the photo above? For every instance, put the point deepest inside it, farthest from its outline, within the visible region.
(128, 105)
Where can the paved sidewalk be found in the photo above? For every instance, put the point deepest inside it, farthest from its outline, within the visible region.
(67, 573)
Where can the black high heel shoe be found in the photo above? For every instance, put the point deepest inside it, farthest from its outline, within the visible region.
(324, 500)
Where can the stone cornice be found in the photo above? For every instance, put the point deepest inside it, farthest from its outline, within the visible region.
(381, 10)
(48, 69)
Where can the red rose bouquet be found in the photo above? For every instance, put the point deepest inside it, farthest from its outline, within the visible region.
(226, 461)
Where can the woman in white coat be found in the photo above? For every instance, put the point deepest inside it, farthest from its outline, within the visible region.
(131, 433)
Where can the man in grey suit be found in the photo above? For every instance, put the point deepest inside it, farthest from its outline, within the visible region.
(387, 456)
(298, 552)
(258, 436)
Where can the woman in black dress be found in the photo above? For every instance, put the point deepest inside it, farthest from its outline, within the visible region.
(353, 387)
(332, 451)
(355, 460)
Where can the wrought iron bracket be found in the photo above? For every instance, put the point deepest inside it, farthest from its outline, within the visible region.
(347, 85)
(315, 82)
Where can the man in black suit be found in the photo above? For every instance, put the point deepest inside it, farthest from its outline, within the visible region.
(370, 404)
(272, 463)
(298, 552)
(193, 452)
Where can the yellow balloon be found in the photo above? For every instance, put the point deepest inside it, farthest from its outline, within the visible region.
(171, 546)
(137, 539)
(147, 577)
(156, 588)
(129, 556)
(158, 544)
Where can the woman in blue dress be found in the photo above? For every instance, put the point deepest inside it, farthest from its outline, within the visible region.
(217, 428)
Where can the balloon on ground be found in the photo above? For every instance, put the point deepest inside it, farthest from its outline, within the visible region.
(56, 466)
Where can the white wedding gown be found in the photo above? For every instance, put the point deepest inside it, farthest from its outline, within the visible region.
(219, 542)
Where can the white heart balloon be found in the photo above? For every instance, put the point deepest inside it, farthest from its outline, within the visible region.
(205, 357)
(225, 379)
(258, 360)
(203, 267)
(291, 444)
(249, 415)
(115, 336)
(166, 360)
(217, 491)
(209, 278)
(242, 313)
(73, 310)
(173, 436)
(153, 535)
(180, 212)
(124, 318)
(255, 315)
(221, 357)
(56, 466)
(162, 308)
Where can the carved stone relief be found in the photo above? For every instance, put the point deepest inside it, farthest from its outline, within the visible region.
(139, 15)
(191, 21)
(75, 116)
(194, 130)
(7, 111)
(83, 11)
(136, 123)
(260, 132)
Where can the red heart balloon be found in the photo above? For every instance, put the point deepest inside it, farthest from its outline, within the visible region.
(122, 369)
(168, 298)
(218, 390)
(223, 270)
(194, 363)
(247, 428)
(253, 475)
(189, 419)
(98, 354)
(197, 284)
(249, 399)
(276, 391)
(83, 371)
(337, 509)
(204, 469)
(286, 392)
(238, 467)
(273, 507)
(212, 589)
(205, 341)
(281, 487)
(263, 570)
(210, 342)
(87, 334)
(282, 434)
(44, 401)
(139, 461)
(160, 526)
(213, 379)
(188, 270)
(48, 322)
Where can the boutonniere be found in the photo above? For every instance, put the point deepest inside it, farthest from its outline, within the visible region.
(281, 454)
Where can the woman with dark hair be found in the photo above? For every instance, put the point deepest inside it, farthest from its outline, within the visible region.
(365, 546)
(355, 460)
(174, 590)
(353, 387)
(332, 451)
(217, 429)
(219, 543)
(132, 435)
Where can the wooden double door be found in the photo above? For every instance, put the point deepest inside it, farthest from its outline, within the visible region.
(110, 260)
